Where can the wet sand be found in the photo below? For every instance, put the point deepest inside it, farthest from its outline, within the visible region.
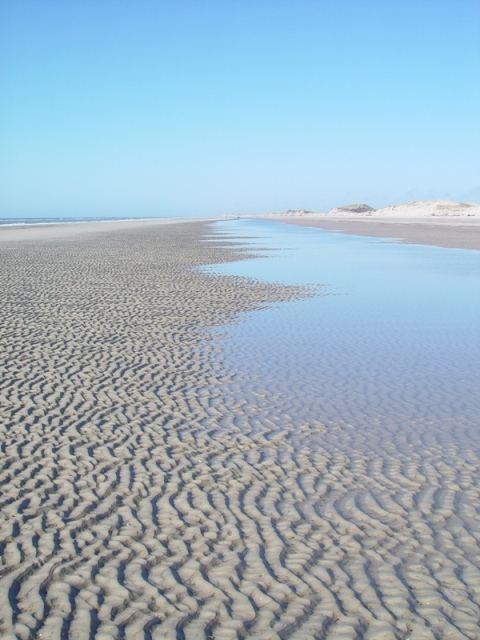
(51, 231)
(144, 495)
(460, 233)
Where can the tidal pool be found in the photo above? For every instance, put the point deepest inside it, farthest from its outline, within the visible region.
(387, 348)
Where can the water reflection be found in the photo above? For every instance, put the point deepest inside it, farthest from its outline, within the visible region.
(392, 339)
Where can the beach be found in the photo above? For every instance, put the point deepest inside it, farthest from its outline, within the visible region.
(459, 233)
(147, 492)
(440, 223)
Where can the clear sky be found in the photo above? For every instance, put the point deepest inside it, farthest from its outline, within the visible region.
(145, 107)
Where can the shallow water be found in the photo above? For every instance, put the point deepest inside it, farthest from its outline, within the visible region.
(388, 348)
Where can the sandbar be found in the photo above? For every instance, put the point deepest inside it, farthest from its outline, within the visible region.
(459, 233)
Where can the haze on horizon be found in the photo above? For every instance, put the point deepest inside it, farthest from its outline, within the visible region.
(168, 108)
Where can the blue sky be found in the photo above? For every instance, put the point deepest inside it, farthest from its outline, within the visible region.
(146, 107)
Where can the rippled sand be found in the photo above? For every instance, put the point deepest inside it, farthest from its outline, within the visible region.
(146, 494)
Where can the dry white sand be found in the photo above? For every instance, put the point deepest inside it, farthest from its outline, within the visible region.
(143, 496)
(417, 209)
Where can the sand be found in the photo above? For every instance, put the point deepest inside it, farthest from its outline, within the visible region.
(458, 232)
(50, 231)
(435, 222)
(144, 496)
(418, 209)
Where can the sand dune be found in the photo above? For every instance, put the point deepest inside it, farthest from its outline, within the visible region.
(416, 209)
(146, 495)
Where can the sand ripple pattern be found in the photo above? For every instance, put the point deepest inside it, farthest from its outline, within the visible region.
(145, 496)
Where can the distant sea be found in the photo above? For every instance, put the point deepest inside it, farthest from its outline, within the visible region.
(62, 220)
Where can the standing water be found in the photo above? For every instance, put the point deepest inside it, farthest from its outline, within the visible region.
(387, 351)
